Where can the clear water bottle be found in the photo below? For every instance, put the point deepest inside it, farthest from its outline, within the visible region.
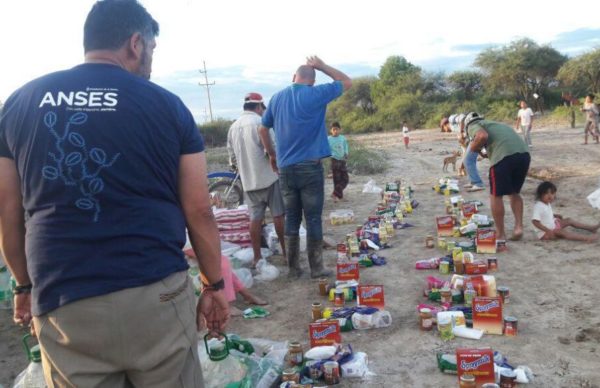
(6, 295)
(33, 376)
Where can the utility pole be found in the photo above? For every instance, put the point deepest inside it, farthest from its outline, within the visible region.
(207, 85)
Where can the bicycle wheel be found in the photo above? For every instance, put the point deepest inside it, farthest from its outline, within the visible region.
(232, 196)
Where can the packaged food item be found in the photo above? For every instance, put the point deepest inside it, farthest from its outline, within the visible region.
(429, 241)
(348, 271)
(445, 328)
(295, 354)
(371, 295)
(476, 362)
(486, 241)
(317, 311)
(476, 268)
(324, 333)
(341, 216)
(510, 326)
(492, 264)
(487, 315)
(467, 381)
(425, 319)
(504, 293)
(323, 283)
(331, 373)
(445, 226)
(468, 209)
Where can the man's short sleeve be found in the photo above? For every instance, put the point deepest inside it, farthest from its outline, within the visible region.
(472, 130)
(329, 92)
(191, 140)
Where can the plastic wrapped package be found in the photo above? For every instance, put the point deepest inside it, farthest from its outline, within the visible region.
(218, 374)
(357, 366)
(266, 272)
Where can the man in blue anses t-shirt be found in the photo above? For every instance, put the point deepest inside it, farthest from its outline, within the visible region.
(297, 114)
(101, 171)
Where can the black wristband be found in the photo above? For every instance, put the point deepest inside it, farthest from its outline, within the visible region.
(24, 289)
(219, 285)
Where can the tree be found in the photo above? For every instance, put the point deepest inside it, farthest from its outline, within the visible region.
(582, 74)
(521, 69)
(468, 82)
(395, 67)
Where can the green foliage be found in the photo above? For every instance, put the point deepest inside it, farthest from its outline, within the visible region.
(215, 132)
(217, 159)
(582, 74)
(465, 84)
(363, 160)
(520, 69)
(505, 111)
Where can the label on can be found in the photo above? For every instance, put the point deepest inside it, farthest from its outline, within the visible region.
(504, 293)
(510, 326)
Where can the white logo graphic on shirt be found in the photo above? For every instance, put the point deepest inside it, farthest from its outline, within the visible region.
(90, 99)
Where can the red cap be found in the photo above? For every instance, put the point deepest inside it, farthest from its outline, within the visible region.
(253, 97)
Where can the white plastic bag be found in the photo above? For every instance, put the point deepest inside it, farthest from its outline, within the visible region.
(594, 199)
(357, 366)
(246, 256)
(266, 272)
(320, 352)
(245, 276)
(370, 187)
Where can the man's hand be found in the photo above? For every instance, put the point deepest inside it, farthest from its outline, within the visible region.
(22, 313)
(273, 161)
(212, 312)
(315, 62)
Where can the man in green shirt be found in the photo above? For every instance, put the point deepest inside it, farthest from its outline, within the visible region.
(509, 159)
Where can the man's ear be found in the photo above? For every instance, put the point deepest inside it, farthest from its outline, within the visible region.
(135, 45)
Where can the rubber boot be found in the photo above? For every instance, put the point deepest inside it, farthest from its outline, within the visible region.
(315, 259)
(292, 250)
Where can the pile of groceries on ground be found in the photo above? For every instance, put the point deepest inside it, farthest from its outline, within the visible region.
(464, 300)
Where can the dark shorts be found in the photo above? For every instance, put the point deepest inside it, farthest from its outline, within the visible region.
(508, 175)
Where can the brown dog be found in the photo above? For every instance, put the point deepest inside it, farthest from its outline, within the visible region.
(451, 160)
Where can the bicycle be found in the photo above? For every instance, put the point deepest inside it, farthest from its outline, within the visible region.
(228, 186)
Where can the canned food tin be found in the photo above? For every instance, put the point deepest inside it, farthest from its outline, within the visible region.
(323, 282)
(507, 379)
(444, 267)
(504, 293)
(510, 326)
(290, 375)
(441, 243)
(331, 372)
(492, 264)
(338, 300)
(429, 242)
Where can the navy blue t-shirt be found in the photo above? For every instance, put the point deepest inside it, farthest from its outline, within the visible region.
(97, 150)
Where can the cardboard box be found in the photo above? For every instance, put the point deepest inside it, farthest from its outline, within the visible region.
(324, 333)
(476, 268)
(486, 241)
(445, 226)
(347, 271)
(371, 295)
(468, 209)
(476, 362)
(487, 314)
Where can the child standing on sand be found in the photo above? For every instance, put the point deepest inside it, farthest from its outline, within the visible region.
(405, 136)
(339, 155)
(552, 226)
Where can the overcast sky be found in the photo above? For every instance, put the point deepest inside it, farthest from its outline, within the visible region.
(256, 46)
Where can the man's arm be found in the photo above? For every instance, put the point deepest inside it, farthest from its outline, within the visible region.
(518, 121)
(12, 235)
(265, 139)
(479, 140)
(335, 74)
(204, 236)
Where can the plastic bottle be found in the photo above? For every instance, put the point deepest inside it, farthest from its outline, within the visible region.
(33, 376)
(5, 289)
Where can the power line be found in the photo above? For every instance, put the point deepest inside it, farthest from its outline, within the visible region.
(207, 85)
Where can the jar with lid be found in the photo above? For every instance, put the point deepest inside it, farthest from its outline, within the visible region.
(445, 328)
(290, 375)
(508, 379)
(317, 311)
(467, 381)
(295, 354)
(446, 295)
(425, 319)
(429, 241)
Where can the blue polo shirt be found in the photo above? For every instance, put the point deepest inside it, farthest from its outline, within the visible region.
(297, 115)
(97, 150)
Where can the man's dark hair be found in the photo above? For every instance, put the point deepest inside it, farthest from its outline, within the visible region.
(335, 124)
(253, 105)
(111, 22)
(543, 188)
(591, 96)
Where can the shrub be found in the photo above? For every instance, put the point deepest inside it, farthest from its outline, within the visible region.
(215, 132)
(364, 160)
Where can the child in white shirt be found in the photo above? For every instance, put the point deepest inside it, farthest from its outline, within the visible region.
(552, 226)
(405, 131)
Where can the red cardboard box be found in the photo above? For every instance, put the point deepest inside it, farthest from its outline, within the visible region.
(347, 271)
(469, 209)
(445, 226)
(476, 268)
(479, 283)
(324, 333)
(476, 362)
(486, 241)
(371, 296)
(487, 314)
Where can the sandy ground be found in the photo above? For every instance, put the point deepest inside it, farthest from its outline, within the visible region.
(554, 286)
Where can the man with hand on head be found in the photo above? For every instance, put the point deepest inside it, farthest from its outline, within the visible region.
(297, 114)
